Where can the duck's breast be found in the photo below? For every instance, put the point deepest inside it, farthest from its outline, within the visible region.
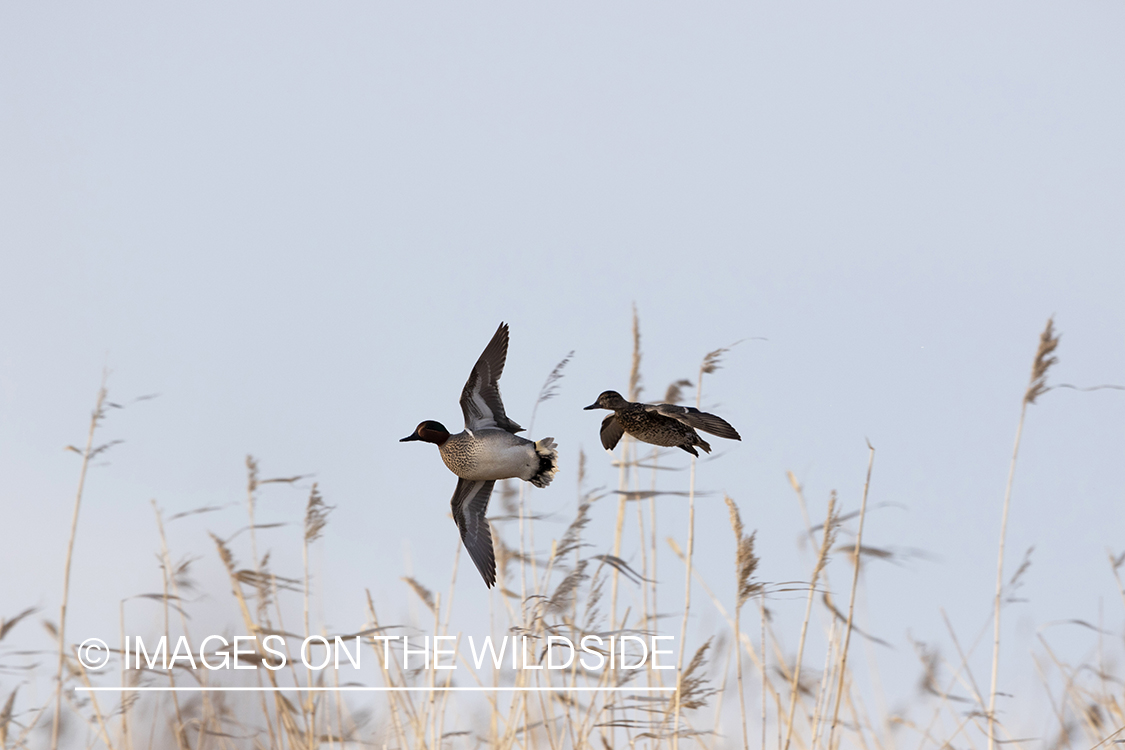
(490, 454)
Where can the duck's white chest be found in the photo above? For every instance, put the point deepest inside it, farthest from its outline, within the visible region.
(490, 454)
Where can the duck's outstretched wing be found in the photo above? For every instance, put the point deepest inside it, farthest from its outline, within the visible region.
(693, 417)
(480, 399)
(611, 431)
(470, 502)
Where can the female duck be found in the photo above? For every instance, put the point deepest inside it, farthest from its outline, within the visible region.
(659, 424)
(486, 451)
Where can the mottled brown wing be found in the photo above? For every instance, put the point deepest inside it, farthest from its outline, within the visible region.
(470, 503)
(700, 420)
(611, 432)
(480, 398)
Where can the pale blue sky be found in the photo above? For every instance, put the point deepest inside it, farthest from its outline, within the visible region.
(301, 225)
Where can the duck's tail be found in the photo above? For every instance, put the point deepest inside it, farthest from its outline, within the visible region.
(690, 447)
(548, 462)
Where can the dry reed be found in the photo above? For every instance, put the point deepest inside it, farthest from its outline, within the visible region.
(87, 453)
(1037, 386)
(589, 581)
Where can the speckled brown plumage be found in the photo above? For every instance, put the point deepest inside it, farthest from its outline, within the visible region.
(666, 425)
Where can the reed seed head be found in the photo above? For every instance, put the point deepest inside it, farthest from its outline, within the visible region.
(1044, 360)
(316, 515)
(635, 369)
(675, 392)
(423, 593)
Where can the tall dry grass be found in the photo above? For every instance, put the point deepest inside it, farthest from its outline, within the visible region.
(1036, 387)
(87, 453)
(730, 679)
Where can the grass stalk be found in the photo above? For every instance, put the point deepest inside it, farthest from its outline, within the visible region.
(738, 673)
(166, 574)
(623, 469)
(762, 646)
(651, 623)
(831, 524)
(98, 716)
(388, 678)
(88, 453)
(851, 599)
(996, 604)
(1036, 387)
(709, 365)
(688, 556)
(822, 695)
(125, 696)
(745, 563)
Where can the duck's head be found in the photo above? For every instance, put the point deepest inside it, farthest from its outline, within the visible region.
(428, 431)
(607, 400)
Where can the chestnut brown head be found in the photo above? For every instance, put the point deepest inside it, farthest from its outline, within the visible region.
(429, 432)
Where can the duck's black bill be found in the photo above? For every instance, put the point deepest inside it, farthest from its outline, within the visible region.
(588, 408)
(411, 436)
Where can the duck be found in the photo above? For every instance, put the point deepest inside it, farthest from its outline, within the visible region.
(668, 425)
(486, 451)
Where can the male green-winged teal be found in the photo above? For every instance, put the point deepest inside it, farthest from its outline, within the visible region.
(659, 424)
(487, 450)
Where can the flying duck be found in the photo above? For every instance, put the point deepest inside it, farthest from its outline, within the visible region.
(487, 450)
(668, 425)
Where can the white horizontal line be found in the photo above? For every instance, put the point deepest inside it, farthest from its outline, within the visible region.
(370, 689)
